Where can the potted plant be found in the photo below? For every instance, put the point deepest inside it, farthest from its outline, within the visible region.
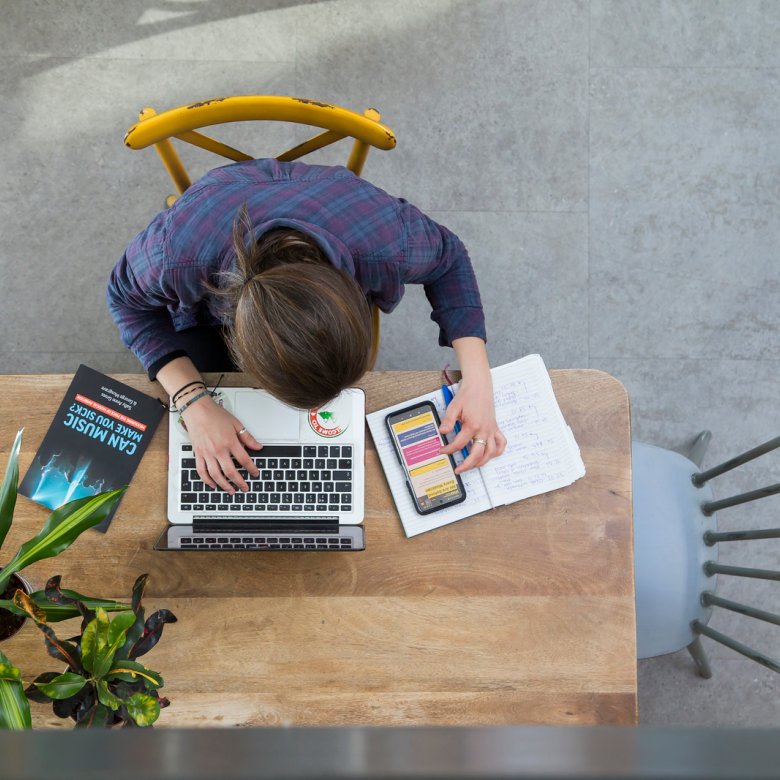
(61, 529)
(104, 684)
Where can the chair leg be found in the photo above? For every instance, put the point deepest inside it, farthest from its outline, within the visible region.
(700, 658)
(699, 448)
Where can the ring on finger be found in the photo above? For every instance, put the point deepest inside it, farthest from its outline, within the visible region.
(242, 431)
(477, 440)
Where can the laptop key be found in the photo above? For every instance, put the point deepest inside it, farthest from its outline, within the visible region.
(227, 498)
(204, 498)
(319, 463)
(287, 498)
(346, 498)
(309, 452)
(186, 448)
(189, 546)
(276, 498)
(284, 463)
(289, 475)
(297, 508)
(295, 463)
(345, 463)
(310, 498)
(322, 451)
(273, 463)
(346, 451)
(322, 507)
(341, 475)
(335, 451)
(186, 507)
(251, 498)
(278, 475)
(331, 463)
(284, 508)
(263, 498)
(268, 487)
(316, 487)
(334, 508)
(308, 463)
(327, 487)
(308, 507)
(346, 508)
(188, 463)
(197, 507)
(281, 487)
(298, 498)
(272, 507)
(188, 498)
(238, 498)
(322, 499)
(248, 508)
(343, 487)
(266, 474)
(211, 507)
(236, 507)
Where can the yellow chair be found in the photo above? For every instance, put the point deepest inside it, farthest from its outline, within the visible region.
(182, 123)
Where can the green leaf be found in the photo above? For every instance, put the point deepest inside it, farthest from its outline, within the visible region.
(143, 709)
(63, 686)
(130, 671)
(57, 612)
(93, 640)
(14, 707)
(62, 528)
(8, 490)
(110, 637)
(96, 718)
(106, 697)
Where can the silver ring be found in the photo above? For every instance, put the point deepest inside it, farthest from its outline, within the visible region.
(477, 440)
(243, 430)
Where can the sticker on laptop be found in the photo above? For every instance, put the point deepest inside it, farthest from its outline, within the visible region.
(329, 421)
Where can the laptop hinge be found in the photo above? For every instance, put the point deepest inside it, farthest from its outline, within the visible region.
(312, 523)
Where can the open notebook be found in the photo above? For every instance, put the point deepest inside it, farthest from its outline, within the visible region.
(541, 453)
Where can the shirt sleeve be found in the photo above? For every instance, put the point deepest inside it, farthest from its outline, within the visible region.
(437, 259)
(137, 298)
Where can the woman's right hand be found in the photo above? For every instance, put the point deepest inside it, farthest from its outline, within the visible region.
(213, 432)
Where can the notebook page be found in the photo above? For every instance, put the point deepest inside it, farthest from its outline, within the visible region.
(541, 453)
(414, 523)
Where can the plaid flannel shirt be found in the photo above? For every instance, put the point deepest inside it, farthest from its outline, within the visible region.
(156, 287)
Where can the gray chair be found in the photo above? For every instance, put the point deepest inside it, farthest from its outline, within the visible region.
(676, 551)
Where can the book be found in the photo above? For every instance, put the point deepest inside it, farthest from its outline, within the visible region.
(94, 443)
(541, 453)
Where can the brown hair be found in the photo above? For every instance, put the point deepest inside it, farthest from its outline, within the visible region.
(300, 326)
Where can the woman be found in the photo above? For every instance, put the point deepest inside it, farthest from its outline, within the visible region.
(270, 268)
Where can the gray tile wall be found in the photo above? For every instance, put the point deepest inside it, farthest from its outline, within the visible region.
(612, 166)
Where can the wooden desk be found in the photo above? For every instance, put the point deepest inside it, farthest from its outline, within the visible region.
(521, 615)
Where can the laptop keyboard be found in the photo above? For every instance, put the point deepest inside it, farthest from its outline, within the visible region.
(293, 478)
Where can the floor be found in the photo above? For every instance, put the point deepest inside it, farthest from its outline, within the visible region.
(612, 166)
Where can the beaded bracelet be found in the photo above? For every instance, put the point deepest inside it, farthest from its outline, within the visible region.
(189, 403)
(184, 387)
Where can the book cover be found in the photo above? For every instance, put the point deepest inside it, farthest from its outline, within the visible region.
(94, 443)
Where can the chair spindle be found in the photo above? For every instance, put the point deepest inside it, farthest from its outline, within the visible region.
(710, 507)
(709, 599)
(710, 568)
(713, 537)
(704, 476)
(749, 652)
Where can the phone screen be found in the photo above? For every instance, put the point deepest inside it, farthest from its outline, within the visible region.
(431, 476)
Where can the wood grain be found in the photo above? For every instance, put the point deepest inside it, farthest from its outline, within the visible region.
(521, 615)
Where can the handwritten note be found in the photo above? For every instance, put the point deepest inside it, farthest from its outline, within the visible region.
(541, 453)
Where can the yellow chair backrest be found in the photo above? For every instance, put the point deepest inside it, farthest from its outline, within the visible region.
(183, 123)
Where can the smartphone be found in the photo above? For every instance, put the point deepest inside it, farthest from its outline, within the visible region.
(430, 477)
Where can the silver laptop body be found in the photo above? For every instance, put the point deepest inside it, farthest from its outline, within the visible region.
(310, 491)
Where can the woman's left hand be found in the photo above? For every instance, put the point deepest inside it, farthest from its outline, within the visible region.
(473, 406)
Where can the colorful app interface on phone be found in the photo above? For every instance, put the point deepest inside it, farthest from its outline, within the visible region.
(433, 480)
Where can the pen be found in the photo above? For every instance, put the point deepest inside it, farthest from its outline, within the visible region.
(447, 393)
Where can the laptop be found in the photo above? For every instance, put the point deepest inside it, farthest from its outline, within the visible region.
(310, 491)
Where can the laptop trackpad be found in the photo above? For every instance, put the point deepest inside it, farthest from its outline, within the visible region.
(266, 418)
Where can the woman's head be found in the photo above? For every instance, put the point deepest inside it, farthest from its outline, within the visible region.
(300, 326)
